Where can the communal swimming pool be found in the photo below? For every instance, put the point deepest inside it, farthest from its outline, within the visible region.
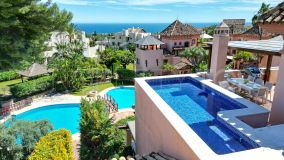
(59, 115)
(124, 96)
(198, 105)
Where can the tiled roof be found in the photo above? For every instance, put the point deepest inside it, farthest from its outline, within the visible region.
(149, 40)
(154, 156)
(237, 26)
(255, 30)
(275, 15)
(177, 28)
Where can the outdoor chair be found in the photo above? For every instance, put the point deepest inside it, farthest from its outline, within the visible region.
(259, 81)
(251, 78)
(226, 85)
(261, 93)
(269, 86)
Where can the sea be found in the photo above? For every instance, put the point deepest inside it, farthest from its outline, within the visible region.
(106, 28)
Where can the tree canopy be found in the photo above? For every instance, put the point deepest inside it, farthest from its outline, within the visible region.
(18, 138)
(24, 27)
(197, 56)
(125, 57)
(68, 64)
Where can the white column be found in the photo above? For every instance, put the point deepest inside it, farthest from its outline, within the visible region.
(219, 57)
(277, 110)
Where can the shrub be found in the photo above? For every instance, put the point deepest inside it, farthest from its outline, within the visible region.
(8, 75)
(55, 145)
(145, 74)
(32, 87)
(125, 74)
(99, 138)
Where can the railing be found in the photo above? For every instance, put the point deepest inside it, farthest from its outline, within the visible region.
(111, 104)
(9, 107)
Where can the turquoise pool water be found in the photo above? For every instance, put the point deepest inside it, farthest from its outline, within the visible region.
(59, 115)
(124, 96)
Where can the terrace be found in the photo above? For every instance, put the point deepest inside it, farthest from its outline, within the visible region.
(189, 117)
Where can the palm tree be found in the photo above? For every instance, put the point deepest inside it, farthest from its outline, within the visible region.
(264, 8)
(196, 56)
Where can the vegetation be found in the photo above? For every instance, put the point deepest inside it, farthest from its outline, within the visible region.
(99, 138)
(244, 56)
(132, 47)
(144, 74)
(68, 64)
(110, 58)
(210, 30)
(125, 57)
(24, 27)
(107, 57)
(94, 37)
(197, 56)
(264, 8)
(18, 138)
(168, 67)
(5, 86)
(32, 87)
(55, 145)
(125, 74)
(8, 75)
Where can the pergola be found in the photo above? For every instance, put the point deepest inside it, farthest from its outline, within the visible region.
(273, 22)
(271, 47)
(34, 70)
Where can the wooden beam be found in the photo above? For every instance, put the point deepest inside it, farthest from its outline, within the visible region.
(268, 67)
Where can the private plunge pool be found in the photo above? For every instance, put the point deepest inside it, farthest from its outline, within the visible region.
(59, 115)
(198, 104)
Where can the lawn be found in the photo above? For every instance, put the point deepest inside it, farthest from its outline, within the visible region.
(99, 87)
(5, 86)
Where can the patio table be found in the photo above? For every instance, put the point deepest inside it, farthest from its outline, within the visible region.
(249, 86)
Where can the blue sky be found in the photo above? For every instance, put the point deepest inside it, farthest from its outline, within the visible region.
(160, 11)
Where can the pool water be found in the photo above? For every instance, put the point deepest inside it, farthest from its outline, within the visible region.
(60, 116)
(198, 106)
(123, 96)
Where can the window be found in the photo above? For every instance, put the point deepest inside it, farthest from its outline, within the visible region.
(157, 62)
(137, 61)
(175, 43)
(186, 44)
(180, 43)
(146, 63)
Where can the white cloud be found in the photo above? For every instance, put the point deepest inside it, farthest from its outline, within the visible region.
(241, 8)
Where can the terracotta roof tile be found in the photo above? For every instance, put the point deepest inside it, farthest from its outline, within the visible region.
(275, 15)
(177, 28)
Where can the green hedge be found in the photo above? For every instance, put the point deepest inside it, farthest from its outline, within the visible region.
(55, 145)
(125, 74)
(32, 87)
(8, 75)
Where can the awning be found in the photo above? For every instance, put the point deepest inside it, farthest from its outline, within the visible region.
(206, 36)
